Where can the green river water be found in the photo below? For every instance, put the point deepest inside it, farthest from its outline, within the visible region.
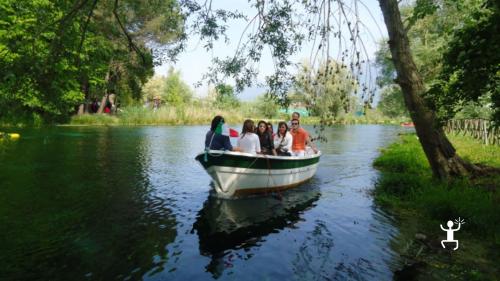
(129, 203)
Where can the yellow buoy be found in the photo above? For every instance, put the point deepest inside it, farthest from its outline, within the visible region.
(12, 136)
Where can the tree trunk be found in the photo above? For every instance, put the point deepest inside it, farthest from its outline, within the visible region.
(438, 149)
(105, 96)
(83, 108)
(103, 104)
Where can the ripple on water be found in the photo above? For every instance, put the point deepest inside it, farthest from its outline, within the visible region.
(107, 203)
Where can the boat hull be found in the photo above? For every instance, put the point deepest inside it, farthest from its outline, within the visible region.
(237, 174)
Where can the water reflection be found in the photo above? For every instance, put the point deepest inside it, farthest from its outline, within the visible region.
(224, 225)
(78, 205)
(130, 203)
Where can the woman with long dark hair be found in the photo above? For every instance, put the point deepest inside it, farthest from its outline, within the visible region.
(283, 140)
(248, 141)
(215, 140)
(265, 138)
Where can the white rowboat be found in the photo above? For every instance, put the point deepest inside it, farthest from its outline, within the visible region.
(236, 173)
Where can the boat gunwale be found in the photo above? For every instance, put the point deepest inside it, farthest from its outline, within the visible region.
(249, 155)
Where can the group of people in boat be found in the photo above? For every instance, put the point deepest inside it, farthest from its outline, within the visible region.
(290, 138)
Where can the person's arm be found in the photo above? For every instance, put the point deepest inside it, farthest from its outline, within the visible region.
(310, 143)
(227, 144)
(289, 141)
(237, 148)
(208, 136)
(271, 142)
(276, 141)
(257, 144)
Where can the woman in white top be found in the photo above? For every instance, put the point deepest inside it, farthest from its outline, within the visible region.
(249, 141)
(283, 140)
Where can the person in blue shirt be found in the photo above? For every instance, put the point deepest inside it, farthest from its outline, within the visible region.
(217, 141)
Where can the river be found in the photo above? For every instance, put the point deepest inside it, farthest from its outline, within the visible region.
(128, 203)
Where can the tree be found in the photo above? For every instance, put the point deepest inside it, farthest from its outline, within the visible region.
(328, 90)
(391, 102)
(434, 29)
(267, 106)
(225, 96)
(176, 91)
(471, 64)
(279, 29)
(54, 55)
(440, 152)
(26, 88)
(155, 87)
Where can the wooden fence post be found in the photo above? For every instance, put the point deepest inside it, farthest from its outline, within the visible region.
(480, 129)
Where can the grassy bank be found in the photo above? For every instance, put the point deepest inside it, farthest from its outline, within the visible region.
(406, 188)
(196, 115)
(182, 115)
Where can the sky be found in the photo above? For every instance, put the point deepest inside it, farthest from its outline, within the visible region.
(196, 60)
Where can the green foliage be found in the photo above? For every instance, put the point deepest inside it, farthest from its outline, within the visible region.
(176, 91)
(225, 97)
(404, 157)
(155, 87)
(54, 55)
(386, 69)
(184, 114)
(406, 178)
(406, 187)
(26, 45)
(94, 119)
(480, 109)
(471, 69)
(326, 91)
(267, 106)
(282, 28)
(391, 102)
(453, 44)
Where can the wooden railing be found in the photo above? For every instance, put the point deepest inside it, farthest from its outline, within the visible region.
(477, 128)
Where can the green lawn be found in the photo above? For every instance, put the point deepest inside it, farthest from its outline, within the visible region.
(407, 189)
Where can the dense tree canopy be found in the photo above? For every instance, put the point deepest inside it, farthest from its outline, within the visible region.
(225, 97)
(327, 91)
(454, 45)
(54, 54)
(176, 91)
(471, 67)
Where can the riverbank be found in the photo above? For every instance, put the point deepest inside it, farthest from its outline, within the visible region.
(195, 115)
(420, 203)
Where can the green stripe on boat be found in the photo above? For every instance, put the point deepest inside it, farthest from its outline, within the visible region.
(244, 161)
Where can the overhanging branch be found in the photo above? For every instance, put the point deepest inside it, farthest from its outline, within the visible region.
(124, 30)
